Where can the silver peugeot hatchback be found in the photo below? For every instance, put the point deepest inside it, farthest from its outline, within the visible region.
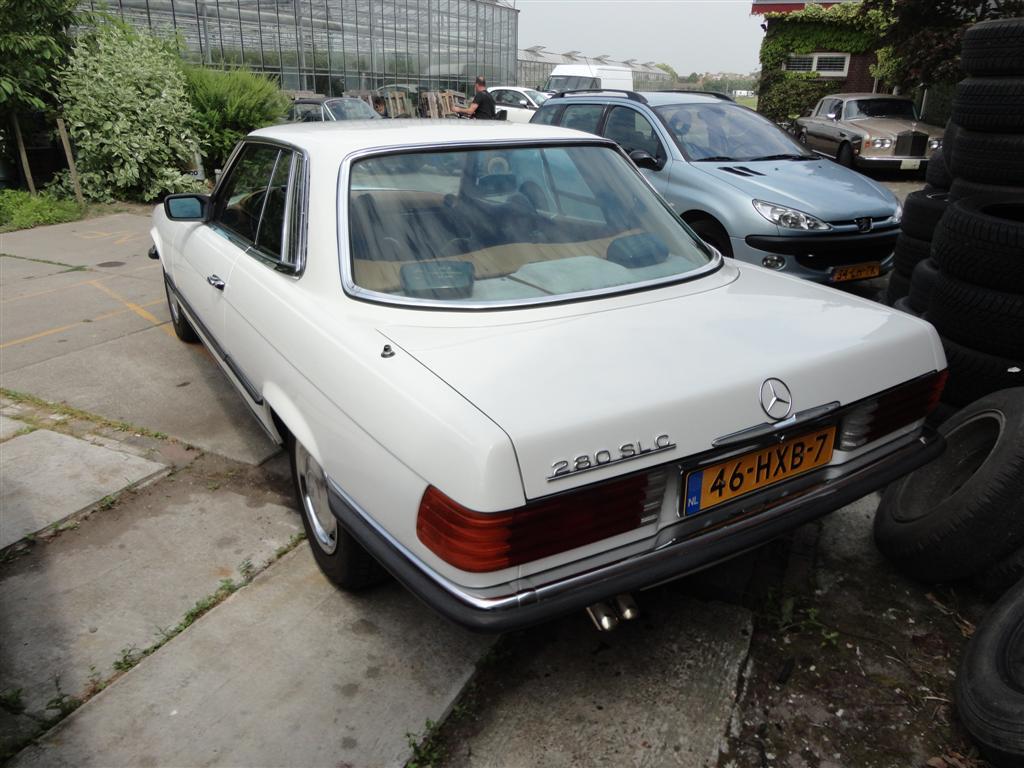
(743, 184)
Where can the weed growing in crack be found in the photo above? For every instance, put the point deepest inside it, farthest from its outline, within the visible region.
(247, 570)
(10, 701)
(427, 750)
(130, 656)
(62, 703)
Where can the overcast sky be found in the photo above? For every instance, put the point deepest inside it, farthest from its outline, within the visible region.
(691, 35)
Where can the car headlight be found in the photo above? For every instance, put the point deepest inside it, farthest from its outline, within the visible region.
(789, 218)
(881, 143)
(897, 217)
(935, 144)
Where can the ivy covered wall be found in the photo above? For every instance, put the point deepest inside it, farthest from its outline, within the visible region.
(843, 28)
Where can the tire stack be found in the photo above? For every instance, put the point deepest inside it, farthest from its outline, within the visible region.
(972, 287)
(914, 273)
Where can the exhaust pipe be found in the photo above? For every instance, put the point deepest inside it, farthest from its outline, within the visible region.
(606, 618)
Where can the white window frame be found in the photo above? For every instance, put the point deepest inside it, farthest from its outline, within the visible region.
(814, 63)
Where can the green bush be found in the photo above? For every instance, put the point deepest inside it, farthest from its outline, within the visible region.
(20, 210)
(229, 104)
(125, 103)
(787, 95)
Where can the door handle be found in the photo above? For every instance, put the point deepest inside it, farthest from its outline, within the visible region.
(216, 282)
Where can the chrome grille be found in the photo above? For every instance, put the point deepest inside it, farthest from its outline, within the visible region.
(912, 143)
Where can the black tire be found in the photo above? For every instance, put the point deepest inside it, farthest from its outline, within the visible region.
(974, 374)
(980, 318)
(899, 286)
(991, 158)
(994, 104)
(910, 251)
(981, 240)
(182, 327)
(845, 155)
(994, 47)
(961, 189)
(922, 283)
(921, 213)
(949, 143)
(341, 558)
(712, 233)
(937, 174)
(949, 519)
(1001, 576)
(989, 688)
(903, 305)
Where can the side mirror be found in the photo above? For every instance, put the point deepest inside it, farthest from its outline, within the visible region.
(187, 207)
(644, 159)
(832, 115)
(524, 103)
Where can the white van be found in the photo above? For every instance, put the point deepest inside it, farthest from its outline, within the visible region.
(574, 77)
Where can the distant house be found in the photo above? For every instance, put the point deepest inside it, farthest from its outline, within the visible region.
(847, 70)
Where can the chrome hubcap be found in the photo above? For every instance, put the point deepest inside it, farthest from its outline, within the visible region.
(313, 493)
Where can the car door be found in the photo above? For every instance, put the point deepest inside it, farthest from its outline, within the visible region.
(515, 103)
(631, 130)
(265, 276)
(818, 126)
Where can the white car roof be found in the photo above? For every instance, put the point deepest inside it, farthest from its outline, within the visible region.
(353, 135)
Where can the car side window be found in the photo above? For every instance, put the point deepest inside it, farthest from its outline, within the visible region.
(270, 233)
(582, 117)
(547, 116)
(239, 204)
(631, 130)
(507, 98)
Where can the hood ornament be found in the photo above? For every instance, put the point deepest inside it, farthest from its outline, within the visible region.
(776, 399)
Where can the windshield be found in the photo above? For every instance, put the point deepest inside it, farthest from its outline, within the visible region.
(558, 83)
(902, 109)
(538, 97)
(727, 132)
(351, 109)
(510, 226)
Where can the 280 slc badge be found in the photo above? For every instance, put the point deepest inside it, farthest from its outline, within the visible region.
(605, 458)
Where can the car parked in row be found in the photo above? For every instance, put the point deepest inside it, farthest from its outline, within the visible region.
(744, 185)
(869, 130)
(519, 103)
(319, 109)
(507, 371)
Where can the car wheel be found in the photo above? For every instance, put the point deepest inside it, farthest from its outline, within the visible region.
(991, 158)
(922, 283)
(981, 240)
(845, 155)
(989, 689)
(980, 318)
(910, 251)
(974, 374)
(921, 213)
(182, 327)
(341, 558)
(994, 48)
(949, 519)
(937, 174)
(993, 104)
(802, 138)
(712, 233)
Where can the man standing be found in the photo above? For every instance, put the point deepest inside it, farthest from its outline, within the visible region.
(482, 107)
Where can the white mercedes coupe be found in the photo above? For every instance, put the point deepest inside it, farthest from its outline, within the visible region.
(509, 375)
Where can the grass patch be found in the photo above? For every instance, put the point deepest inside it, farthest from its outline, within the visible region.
(22, 210)
(427, 749)
(62, 409)
(747, 101)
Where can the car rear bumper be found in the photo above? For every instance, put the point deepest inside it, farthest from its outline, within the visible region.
(677, 551)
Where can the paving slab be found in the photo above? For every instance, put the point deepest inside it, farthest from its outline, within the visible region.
(69, 607)
(89, 242)
(151, 379)
(9, 427)
(288, 671)
(48, 476)
(658, 691)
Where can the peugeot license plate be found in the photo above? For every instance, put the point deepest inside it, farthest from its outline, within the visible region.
(855, 272)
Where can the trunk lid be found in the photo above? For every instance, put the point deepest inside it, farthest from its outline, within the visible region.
(690, 367)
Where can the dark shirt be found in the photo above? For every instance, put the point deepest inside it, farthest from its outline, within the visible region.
(484, 106)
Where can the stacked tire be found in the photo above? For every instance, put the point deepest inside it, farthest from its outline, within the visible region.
(972, 288)
(913, 275)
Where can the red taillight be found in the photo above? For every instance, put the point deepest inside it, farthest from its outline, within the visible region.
(891, 410)
(478, 542)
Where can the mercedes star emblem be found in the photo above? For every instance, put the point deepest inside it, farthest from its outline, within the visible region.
(776, 399)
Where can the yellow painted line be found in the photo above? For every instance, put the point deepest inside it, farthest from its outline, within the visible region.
(59, 329)
(78, 284)
(138, 310)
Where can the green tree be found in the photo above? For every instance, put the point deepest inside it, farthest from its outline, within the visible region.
(124, 98)
(35, 39)
(669, 69)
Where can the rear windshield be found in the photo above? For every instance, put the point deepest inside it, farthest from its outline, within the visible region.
(560, 83)
(515, 225)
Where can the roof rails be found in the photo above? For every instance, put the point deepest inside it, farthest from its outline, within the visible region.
(631, 95)
(716, 94)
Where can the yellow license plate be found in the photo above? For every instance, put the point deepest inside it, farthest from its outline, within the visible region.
(856, 272)
(717, 484)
